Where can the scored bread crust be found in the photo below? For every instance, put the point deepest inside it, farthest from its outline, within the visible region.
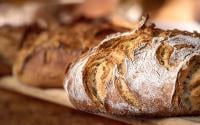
(42, 60)
(146, 72)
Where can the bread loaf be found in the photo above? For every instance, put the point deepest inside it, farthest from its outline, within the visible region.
(42, 59)
(147, 72)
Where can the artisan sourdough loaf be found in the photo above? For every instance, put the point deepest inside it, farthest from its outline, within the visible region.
(146, 72)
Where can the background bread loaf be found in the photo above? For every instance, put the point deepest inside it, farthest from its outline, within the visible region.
(43, 58)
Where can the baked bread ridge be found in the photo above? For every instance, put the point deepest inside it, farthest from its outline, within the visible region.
(42, 59)
(146, 72)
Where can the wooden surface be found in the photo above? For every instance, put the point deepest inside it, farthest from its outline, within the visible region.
(59, 96)
(18, 109)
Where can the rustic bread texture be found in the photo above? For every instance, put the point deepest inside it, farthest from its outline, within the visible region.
(42, 59)
(147, 72)
(10, 42)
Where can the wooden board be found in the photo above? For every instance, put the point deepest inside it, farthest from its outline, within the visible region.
(59, 96)
(52, 95)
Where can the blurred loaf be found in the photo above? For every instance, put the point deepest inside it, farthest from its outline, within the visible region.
(43, 58)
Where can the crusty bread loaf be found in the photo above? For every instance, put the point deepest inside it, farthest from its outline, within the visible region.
(43, 57)
(147, 72)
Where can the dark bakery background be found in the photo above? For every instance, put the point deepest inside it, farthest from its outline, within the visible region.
(40, 38)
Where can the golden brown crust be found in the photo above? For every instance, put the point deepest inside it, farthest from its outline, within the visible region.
(139, 73)
(42, 60)
(10, 42)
